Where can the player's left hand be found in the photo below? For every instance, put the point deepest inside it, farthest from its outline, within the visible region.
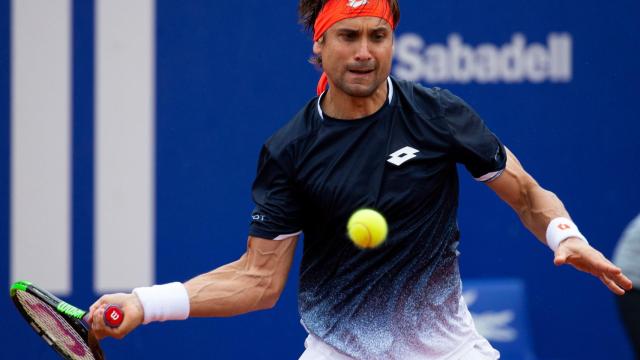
(582, 256)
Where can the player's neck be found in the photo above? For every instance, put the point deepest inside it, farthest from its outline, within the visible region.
(339, 105)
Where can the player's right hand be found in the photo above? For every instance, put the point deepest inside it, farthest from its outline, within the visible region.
(131, 307)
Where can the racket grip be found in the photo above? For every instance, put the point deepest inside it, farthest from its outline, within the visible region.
(113, 316)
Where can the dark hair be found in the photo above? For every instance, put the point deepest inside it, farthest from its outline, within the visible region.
(309, 10)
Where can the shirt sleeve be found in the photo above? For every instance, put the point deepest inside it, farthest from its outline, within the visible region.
(474, 145)
(277, 214)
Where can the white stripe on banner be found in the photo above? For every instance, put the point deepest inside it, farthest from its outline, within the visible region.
(40, 143)
(124, 250)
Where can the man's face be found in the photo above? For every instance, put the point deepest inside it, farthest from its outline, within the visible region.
(356, 54)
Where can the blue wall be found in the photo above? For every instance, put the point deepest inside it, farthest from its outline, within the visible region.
(231, 73)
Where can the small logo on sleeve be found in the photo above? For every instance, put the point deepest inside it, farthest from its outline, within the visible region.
(258, 217)
(403, 155)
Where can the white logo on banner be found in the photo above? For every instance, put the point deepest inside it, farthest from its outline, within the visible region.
(357, 3)
(457, 62)
(42, 205)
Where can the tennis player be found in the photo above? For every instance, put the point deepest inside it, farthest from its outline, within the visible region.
(369, 140)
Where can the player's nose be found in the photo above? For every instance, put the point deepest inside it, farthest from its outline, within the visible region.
(363, 52)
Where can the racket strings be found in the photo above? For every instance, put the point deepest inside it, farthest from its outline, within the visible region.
(55, 327)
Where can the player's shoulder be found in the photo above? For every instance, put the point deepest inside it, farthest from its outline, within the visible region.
(430, 102)
(303, 124)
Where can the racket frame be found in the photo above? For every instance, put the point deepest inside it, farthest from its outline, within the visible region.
(71, 314)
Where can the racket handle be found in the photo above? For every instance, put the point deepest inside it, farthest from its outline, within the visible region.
(113, 316)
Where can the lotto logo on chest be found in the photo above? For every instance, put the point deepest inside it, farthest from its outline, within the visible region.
(403, 155)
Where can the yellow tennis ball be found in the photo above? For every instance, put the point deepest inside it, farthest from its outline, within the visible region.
(367, 228)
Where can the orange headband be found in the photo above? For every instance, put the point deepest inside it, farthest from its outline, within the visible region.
(338, 10)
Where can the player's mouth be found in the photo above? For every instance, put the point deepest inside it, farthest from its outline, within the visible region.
(360, 71)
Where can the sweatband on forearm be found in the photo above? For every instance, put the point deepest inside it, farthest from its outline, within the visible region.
(560, 229)
(164, 302)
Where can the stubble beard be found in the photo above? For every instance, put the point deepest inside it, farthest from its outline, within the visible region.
(359, 90)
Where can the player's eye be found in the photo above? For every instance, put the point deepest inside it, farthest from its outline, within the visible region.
(379, 36)
(348, 36)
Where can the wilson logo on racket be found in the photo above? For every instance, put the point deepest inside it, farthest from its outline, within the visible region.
(70, 310)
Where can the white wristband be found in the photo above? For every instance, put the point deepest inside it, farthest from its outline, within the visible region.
(164, 302)
(560, 229)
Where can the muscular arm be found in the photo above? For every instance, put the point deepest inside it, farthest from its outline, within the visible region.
(253, 282)
(536, 207)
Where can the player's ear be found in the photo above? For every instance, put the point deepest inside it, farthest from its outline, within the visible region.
(317, 46)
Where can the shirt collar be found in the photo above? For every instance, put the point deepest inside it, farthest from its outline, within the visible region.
(389, 86)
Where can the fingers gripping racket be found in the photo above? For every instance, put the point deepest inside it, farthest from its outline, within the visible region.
(63, 326)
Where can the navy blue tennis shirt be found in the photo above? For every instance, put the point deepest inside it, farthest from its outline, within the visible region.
(402, 299)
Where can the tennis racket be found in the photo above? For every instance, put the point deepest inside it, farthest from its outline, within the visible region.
(63, 326)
